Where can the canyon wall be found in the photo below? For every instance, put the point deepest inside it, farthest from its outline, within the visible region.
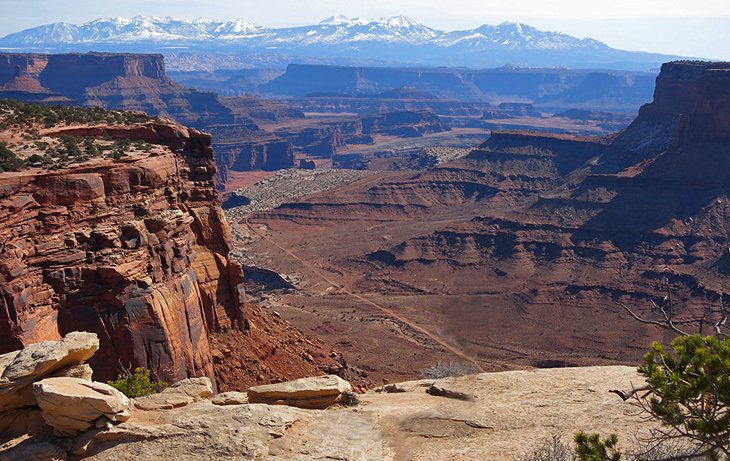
(134, 250)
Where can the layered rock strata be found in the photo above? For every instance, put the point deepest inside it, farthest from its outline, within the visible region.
(134, 250)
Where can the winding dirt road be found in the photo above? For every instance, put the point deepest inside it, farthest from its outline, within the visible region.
(385, 310)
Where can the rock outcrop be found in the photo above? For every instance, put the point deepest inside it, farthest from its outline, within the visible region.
(512, 110)
(403, 123)
(312, 393)
(179, 394)
(19, 370)
(270, 155)
(134, 250)
(73, 405)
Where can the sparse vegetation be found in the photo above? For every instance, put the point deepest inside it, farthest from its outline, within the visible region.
(351, 399)
(137, 383)
(553, 449)
(23, 115)
(8, 160)
(556, 449)
(56, 153)
(445, 369)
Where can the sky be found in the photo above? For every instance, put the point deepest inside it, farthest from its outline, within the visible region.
(697, 28)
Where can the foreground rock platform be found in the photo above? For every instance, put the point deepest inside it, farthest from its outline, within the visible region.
(509, 414)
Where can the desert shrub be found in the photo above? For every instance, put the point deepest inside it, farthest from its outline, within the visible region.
(35, 158)
(351, 399)
(137, 384)
(90, 148)
(552, 449)
(8, 160)
(70, 146)
(446, 369)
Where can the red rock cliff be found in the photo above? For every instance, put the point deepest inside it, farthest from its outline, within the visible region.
(133, 250)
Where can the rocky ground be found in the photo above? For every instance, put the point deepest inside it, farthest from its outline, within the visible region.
(287, 185)
(284, 186)
(500, 416)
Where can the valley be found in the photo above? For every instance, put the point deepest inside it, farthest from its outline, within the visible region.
(398, 223)
(530, 235)
(364, 238)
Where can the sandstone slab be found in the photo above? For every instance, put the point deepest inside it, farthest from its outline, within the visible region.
(178, 395)
(20, 369)
(317, 392)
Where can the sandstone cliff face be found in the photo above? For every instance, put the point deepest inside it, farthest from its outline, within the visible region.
(20, 72)
(133, 250)
(690, 105)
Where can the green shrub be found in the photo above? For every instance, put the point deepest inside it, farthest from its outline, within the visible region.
(35, 158)
(592, 448)
(137, 383)
(90, 148)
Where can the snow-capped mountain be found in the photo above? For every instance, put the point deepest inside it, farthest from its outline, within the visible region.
(341, 29)
(137, 29)
(389, 40)
(517, 36)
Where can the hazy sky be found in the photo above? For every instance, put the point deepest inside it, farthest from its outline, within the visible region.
(685, 27)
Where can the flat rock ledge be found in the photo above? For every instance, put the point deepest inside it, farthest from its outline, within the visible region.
(311, 393)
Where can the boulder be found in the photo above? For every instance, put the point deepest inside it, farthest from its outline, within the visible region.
(313, 393)
(71, 405)
(178, 395)
(19, 413)
(46, 357)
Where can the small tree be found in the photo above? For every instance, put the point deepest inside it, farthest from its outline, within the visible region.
(690, 392)
(688, 389)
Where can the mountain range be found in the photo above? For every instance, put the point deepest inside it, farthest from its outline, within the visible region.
(390, 40)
